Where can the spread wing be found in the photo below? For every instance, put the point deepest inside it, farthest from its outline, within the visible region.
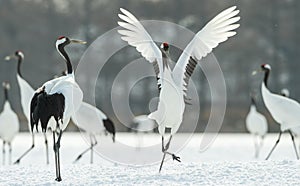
(135, 35)
(218, 30)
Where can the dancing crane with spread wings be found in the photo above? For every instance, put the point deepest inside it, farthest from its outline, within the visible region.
(172, 84)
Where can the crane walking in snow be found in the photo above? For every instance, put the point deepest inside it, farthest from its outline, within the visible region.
(284, 110)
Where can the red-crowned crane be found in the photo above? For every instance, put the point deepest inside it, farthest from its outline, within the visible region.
(283, 109)
(57, 99)
(172, 84)
(26, 92)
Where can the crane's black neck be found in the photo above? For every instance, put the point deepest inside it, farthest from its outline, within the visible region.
(253, 101)
(19, 66)
(267, 72)
(165, 59)
(61, 49)
(5, 94)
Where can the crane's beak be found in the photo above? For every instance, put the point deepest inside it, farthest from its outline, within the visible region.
(6, 85)
(78, 41)
(256, 71)
(7, 58)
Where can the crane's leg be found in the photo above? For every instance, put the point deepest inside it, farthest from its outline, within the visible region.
(58, 156)
(86, 150)
(260, 143)
(173, 155)
(256, 145)
(139, 141)
(47, 149)
(93, 143)
(295, 148)
(3, 153)
(274, 145)
(56, 146)
(262, 138)
(55, 154)
(164, 150)
(9, 150)
(27, 151)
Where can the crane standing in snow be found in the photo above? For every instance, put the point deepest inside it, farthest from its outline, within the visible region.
(257, 125)
(9, 123)
(57, 99)
(172, 84)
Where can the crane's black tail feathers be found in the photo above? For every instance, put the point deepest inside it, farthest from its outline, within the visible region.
(44, 106)
(110, 127)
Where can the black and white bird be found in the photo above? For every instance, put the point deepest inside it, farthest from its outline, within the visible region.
(93, 121)
(9, 124)
(172, 84)
(284, 110)
(57, 99)
(26, 92)
(257, 125)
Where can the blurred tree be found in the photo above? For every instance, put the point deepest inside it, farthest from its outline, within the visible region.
(268, 34)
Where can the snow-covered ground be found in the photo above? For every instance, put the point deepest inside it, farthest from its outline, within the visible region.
(229, 161)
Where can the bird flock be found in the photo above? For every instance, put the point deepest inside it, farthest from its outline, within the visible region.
(50, 107)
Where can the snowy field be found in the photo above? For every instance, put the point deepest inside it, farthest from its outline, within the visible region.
(229, 161)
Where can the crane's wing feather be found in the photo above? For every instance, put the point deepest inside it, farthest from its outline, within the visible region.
(135, 35)
(218, 30)
(67, 86)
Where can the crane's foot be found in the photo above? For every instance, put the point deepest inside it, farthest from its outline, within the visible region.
(77, 158)
(58, 179)
(177, 158)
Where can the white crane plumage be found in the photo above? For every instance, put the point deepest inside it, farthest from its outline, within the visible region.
(295, 130)
(173, 84)
(26, 92)
(93, 121)
(57, 99)
(284, 110)
(257, 125)
(9, 123)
